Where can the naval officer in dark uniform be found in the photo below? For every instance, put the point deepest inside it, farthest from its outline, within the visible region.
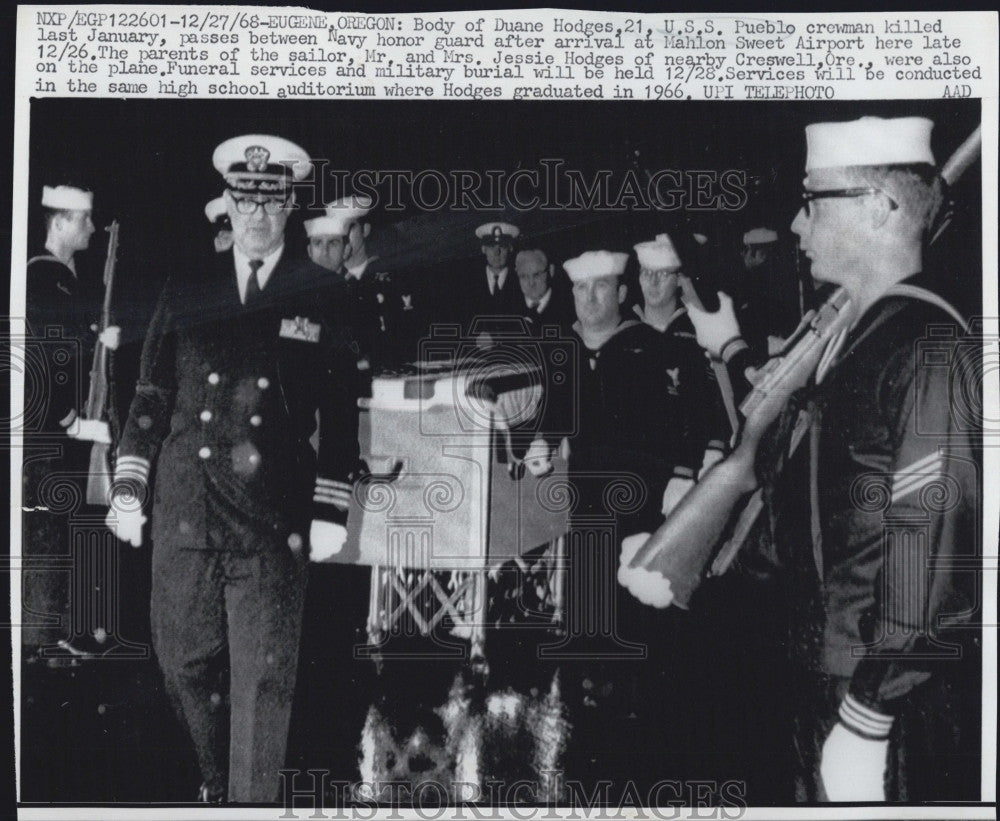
(240, 358)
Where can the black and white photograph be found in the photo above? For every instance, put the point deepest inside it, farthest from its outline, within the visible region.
(493, 453)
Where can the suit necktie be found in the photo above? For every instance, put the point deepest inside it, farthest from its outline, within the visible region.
(494, 284)
(253, 285)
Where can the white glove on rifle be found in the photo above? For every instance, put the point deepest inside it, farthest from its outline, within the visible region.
(125, 520)
(715, 330)
(111, 337)
(852, 767)
(326, 539)
(675, 491)
(90, 430)
(538, 459)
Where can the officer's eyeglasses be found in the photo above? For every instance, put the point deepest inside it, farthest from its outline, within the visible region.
(248, 205)
(842, 193)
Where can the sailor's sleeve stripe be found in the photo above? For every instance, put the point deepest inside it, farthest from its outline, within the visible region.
(863, 720)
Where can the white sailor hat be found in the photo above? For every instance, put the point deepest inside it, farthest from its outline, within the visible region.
(497, 233)
(594, 264)
(260, 163)
(760, 236)
(869, 141)
(215, 209)
(658, 254)
(340, 216)
(67, 198)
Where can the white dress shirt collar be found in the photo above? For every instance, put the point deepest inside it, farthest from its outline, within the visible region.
(263, 273)
(501, 278)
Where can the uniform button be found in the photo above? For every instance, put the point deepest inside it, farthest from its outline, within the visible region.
(213, 379)
(255, 420)
(263, 383)
(205, 452)
(206, 416)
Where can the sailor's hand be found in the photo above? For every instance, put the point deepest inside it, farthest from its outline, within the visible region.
(326, 539)
(90, 430)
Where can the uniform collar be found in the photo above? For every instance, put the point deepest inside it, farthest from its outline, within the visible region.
(595, 342)
(542, 303)
(242, 262)
(501, 278)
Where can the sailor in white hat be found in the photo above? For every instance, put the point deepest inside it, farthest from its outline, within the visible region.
(62, 312)
(758, 244)
(240, 362)
(215, 213)
(699, 400)
(628, 435)
(327, 236)
(875, 713)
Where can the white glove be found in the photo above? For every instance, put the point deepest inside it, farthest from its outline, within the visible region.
(538, 458)
(91, 430)
(326, 539)
(675, 491)
(111, 337)
(852, 767)
(712, 457)
(647, 586)
(714, 329)
(126, 521)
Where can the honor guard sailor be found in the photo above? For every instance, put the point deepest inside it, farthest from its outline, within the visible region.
(62, 311)
(699, 405)
(886, 482)
(241, 358)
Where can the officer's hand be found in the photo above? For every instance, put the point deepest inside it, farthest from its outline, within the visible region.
(111, 337)
(714, 330)
(852, 767)
(326, 539)
(90, 430)
(125, 520)
(675, 491)
(538, 458)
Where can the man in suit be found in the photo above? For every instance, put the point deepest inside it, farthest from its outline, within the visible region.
(543, 305)
(239, 361)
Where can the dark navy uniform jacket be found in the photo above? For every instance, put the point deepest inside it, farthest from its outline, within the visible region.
(626, 420)
(60, 311)
(229, 397)
(895, 501)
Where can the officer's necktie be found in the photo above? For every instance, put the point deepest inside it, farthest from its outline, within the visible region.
(253, 286)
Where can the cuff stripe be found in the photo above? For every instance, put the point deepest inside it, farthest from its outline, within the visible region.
(684, 473)
(916, 476)
(731, 348)
(132, 467)
(863, 720)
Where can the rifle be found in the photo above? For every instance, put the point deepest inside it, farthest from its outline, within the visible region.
(99, 475)
(668, 568)
(671, 564)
